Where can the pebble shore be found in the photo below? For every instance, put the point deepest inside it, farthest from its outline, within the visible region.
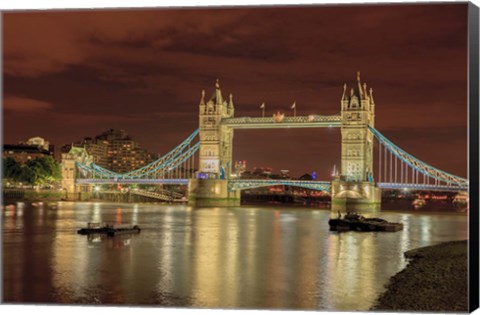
(435, 279)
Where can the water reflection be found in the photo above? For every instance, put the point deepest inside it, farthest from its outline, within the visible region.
(245, 257)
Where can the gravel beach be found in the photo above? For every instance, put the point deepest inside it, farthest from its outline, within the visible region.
(436, 279)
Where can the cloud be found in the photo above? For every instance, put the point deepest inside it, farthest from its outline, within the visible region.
(24, 104)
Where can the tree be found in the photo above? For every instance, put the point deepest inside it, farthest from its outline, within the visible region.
(11, 169)
(38, 171)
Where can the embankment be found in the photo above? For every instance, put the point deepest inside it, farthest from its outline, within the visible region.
(436, 279)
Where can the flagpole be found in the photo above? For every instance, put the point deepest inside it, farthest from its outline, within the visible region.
(263, 111)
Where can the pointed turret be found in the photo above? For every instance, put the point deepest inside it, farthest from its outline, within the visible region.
(202, 99)
(218, 94)
(231, 109)
(361, 95)
(344, 91)
(230, 104)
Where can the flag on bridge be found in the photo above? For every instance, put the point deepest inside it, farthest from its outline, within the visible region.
(294, 105)
(262, 106)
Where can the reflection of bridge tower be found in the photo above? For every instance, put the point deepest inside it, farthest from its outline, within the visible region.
(355, 185)
(215, 138)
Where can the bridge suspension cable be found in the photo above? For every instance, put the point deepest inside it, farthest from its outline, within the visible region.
(178, 163)
(395, 166)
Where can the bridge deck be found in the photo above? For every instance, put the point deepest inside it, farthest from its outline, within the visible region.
(312, 121)
(240, 184)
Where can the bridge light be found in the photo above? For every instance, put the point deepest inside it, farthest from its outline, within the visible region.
(97, 188)
(405, 189)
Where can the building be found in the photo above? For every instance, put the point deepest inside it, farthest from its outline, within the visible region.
(240, 167)
(38, 142)
(115, 150)
(24, 152)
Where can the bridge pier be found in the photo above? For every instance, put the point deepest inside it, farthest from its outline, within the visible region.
(355, 196)
(211, 192)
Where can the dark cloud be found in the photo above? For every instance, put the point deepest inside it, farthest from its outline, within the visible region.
(144, 70)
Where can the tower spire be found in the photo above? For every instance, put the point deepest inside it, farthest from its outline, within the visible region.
(344, 90)
(202, 99)
(218, 93)
(360, 90)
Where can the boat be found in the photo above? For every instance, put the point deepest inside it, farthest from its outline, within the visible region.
(461, 199)
(419, 202)
(53, 205)
(109, 229)
(355, 222)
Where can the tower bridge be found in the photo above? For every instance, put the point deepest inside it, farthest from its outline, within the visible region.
(208, 150)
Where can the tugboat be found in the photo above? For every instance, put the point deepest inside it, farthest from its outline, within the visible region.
(109, 229)
(418, 203)
(355, 222)
(461, 199)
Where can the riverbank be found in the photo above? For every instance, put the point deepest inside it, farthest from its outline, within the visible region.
(436, 279)
(13, 195)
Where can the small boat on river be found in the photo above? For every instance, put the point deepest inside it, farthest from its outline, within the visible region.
(109, 229)
(460, 200)
(355, 222)
(419, 202)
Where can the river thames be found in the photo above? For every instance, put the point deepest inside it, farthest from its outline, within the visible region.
(250, 257)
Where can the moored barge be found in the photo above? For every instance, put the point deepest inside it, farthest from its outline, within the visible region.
(354, 222)
(109, 229)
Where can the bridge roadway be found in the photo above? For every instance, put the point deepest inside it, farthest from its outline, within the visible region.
(427, 187)
(311, 121)
(241, 184)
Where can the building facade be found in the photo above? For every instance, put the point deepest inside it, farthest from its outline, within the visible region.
(115, 150)
(22, 153)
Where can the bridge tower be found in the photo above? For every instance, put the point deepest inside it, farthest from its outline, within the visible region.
(215, 139)
(355, 185)
(215, 162)
(70, 173)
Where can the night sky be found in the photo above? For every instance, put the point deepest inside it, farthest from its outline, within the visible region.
(68, 75)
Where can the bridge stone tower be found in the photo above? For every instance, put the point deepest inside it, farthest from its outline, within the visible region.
(215, 162)
(215, 139)
(355, 185)
(70, 173)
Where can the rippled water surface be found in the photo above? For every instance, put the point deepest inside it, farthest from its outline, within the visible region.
(244, 257)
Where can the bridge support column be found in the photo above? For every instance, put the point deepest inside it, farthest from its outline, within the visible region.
(355, 196)
(211, 192)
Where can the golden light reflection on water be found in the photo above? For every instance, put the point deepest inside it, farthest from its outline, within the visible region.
(247, 257)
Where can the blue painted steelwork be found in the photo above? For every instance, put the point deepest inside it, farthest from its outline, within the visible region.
(421, 187)
(312, 121)
(168, 162)
(241, 184)
(418, 165)
(172, 181)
